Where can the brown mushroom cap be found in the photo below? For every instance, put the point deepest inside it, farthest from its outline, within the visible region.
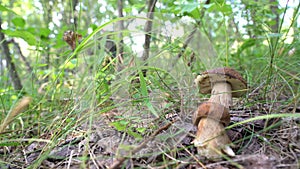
(212, 110)
(229, 75)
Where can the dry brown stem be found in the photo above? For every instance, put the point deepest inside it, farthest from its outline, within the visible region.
(19, 108)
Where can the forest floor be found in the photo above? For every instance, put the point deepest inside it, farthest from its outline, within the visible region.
(166, 142)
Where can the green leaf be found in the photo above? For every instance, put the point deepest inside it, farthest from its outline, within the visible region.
(145, 95)
(128, 9)
(138, 6)
(134, 134)
(41, 65)
(248, 43)
(18, 22)
(268, 116)
(13, 143)
(28, 37)
(191, 9)
(45, 32)
(225, 8)
(141, 130)
(4, 9)
(93, 26)
(31, 30)
(220, 1)
(120, 125)
(144, 90)
(72, 64)
(195, 14)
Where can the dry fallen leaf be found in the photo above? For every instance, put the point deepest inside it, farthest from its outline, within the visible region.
(72, 38)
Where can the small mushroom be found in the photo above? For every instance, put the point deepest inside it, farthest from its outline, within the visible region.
(211, 139)
(223, 84)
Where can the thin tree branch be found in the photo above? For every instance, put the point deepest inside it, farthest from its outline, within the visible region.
(235, 25)
(139, 12)
(186, 43)
(29, 68)
(189, 38)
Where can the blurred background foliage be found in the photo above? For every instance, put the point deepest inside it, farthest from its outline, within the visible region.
(258, 38)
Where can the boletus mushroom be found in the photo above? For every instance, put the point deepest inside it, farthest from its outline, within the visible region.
(212, 116)
(211, 139)
(223, 84)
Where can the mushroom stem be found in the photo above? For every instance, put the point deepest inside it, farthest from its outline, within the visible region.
(221, 93)
(210, 137)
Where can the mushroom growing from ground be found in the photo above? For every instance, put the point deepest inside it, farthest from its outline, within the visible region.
(223, 84)
(211, 139)
(212, 116)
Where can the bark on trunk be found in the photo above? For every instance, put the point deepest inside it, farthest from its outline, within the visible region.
(121, 42)
(274, 9)
(14, 77)
(148, 29)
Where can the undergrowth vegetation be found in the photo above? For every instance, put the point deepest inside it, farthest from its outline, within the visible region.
(88, 108)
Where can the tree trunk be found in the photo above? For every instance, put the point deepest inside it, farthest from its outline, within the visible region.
(121, 28)
(14, 77)
(274, 9)
(148, 29)
(75, 17)
(48, 18)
